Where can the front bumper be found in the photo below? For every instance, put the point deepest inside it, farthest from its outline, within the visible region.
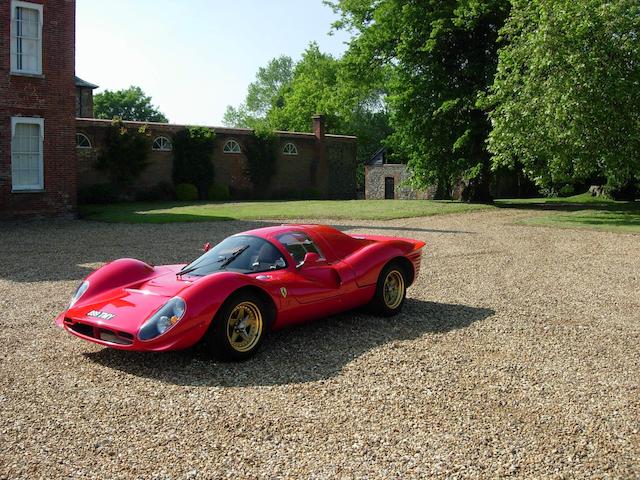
(110, 336)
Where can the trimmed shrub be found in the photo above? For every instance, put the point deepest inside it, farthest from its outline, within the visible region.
(161, 192)
(566, 191)
(101, 193)
(219, 192)
(186, 192)
(192, 151)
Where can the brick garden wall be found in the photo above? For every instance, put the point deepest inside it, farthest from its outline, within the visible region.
(50, 96)
(326, 164)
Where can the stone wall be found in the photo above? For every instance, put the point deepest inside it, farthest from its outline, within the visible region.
(375, 180)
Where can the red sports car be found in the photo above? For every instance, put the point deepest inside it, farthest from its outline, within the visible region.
(237, 291)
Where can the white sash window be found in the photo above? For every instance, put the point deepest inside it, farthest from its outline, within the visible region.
(27, 171)
(26, 37)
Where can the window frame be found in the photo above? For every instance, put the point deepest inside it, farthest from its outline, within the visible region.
(291, 153)
(161, 148)
(231, 151)
(86, 137)
(322, 257)
(40, 185)
(13, 53)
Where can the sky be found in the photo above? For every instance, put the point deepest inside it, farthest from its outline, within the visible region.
(194, 57)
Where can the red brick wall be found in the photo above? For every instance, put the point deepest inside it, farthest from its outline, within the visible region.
(50, 96)
(294, 173)
(84, 102)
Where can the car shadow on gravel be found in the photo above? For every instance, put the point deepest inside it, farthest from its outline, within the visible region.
(307, 353)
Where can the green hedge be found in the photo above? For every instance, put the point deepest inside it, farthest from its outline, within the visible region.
(186, 192)
(219, 193)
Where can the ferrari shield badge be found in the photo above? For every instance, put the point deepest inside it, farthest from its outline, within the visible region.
(283, 291)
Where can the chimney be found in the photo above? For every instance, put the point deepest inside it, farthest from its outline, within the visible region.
(318, 126)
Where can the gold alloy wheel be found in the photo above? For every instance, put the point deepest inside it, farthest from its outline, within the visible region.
(393, 289)
(244, 326)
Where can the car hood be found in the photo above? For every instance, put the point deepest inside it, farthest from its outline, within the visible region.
(127, 308)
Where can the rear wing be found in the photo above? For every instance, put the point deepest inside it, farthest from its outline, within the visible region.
(416, 244)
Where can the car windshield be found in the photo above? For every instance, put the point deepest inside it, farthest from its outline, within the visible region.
(240, 253)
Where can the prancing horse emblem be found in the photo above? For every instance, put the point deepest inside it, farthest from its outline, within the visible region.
(283, 291)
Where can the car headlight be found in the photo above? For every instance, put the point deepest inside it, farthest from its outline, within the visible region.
(79, 292)
(163, 320)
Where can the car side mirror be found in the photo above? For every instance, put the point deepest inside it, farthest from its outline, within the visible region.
(206, 247)
(310, 259)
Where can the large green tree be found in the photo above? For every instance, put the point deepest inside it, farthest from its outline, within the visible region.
(566, 98)
(285, 96)
(438, 57)
(128, 104)
(265, 93)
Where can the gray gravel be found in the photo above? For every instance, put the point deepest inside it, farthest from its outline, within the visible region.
(517, 354)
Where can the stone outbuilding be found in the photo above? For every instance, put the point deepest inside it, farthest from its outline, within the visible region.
(384, 180)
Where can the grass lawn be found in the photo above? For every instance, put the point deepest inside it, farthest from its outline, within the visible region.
(166, 212)
(580, 211)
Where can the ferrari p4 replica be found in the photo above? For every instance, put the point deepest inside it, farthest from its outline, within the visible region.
(245, 286)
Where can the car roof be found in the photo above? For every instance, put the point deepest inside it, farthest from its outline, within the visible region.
(274, 231)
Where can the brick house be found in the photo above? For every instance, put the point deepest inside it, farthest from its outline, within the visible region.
(37, 107)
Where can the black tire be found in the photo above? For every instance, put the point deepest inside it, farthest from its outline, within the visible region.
(384, 307)
(223, 329)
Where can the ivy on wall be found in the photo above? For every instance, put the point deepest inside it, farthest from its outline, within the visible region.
(192, 151)
(125, 152)
(262, 156)
(342, 171)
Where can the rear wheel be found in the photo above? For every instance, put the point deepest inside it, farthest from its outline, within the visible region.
(238, 328)
(391, 291)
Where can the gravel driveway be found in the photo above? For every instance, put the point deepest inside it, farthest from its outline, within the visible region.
(518, 354)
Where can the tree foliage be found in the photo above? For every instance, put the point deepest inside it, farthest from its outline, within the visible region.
(128, 104)
(192, 151)
(437, 58)
(125, 152)
(286, 95)
(566, 97)
(264, 94)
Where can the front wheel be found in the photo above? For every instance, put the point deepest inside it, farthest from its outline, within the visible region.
(238, 328)
(391, 291)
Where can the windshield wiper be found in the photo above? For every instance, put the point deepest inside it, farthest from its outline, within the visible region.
(226, 261)
(233, 256)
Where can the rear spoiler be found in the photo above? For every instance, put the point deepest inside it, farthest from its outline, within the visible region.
(417, 244)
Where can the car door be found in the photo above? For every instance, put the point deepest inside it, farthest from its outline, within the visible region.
(310, 284)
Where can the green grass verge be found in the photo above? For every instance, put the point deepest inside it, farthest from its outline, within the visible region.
(167, 212)
(580, 211)
(595, 220)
